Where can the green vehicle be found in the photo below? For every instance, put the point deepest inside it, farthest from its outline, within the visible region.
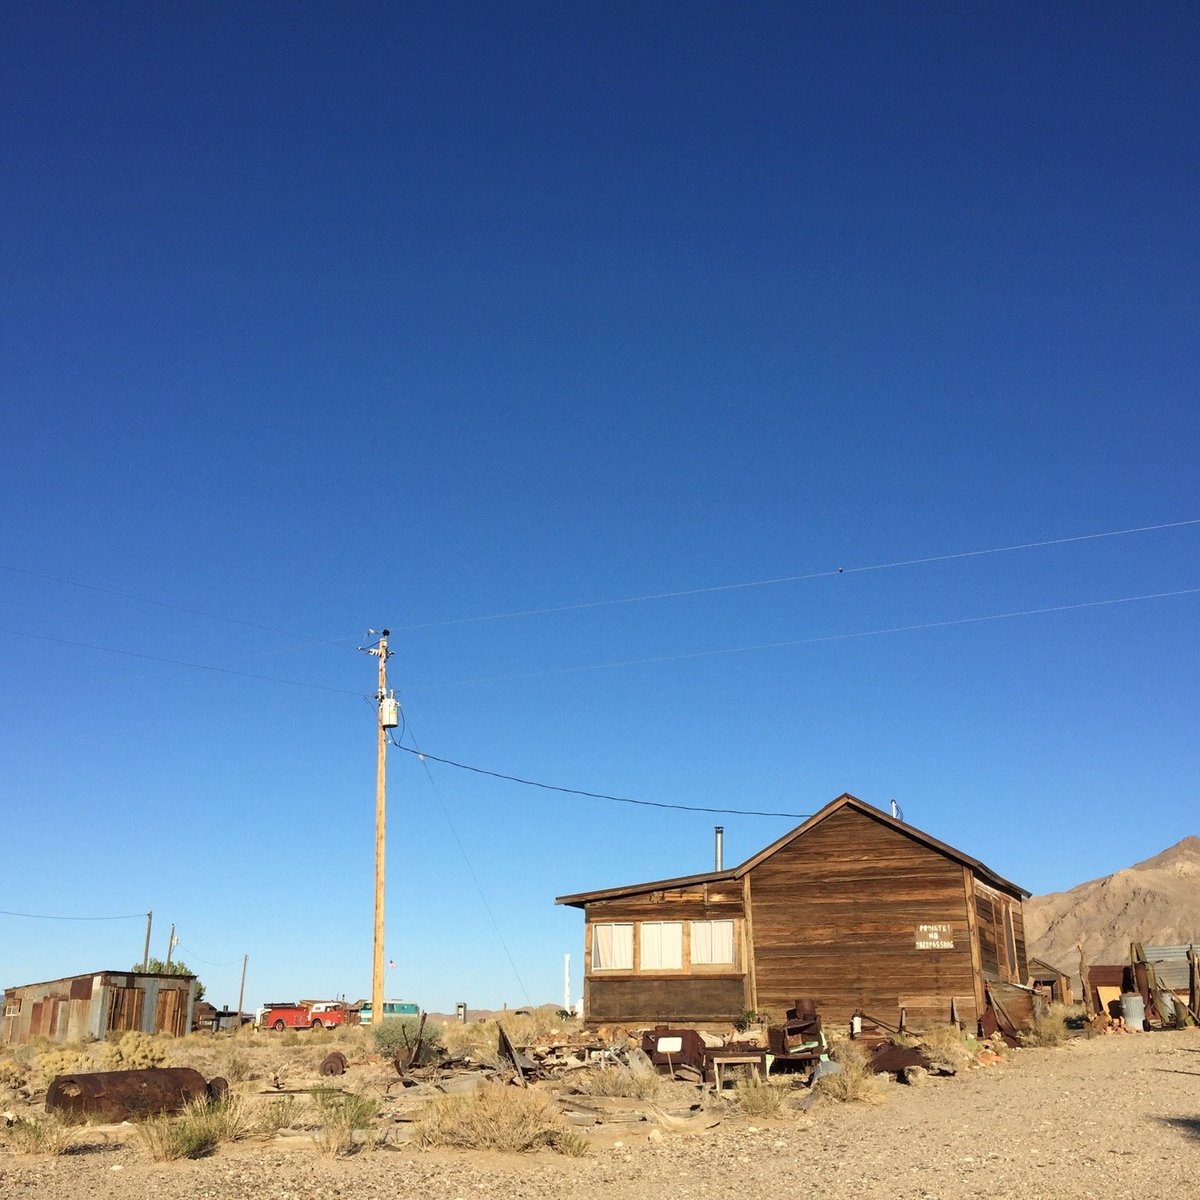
(391, 1008)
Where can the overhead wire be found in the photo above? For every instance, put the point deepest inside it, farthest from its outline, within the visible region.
(179, 662)
(551, 787)
(811, 641)
(772, 582)
(470, 869)
(52, 917)
(196, 612)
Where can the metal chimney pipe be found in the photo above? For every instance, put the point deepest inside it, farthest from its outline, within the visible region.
(719, 831)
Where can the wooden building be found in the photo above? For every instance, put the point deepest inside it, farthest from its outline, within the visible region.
(98, 1005)
(854, 908)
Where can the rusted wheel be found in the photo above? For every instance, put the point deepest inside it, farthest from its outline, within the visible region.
(334, 1064)
(317, 1024)
(279, 1026)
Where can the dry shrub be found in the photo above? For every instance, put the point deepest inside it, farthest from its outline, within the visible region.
(758, 1097)
(1045, 1031)
(856, 1081)
(196, 1131)
(12, 1074)
(59, 1062)
(134, 1051)
(39, 1135)
(235, 1064)
(947, 1044)
(477, 1041)
(620, 1081)
(280, 1113)
(342, 1115)
(496, 1117)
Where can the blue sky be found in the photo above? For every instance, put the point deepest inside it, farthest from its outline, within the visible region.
(416, 315)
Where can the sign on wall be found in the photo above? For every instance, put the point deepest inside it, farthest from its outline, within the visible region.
(935, 937)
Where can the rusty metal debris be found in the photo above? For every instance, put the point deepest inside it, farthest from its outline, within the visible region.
(129, 1095)
(334, 1063)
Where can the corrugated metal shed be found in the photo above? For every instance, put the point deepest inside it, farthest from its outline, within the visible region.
(98, 1004)
(1170, 964)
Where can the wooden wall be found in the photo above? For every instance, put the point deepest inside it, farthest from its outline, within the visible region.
(660, 1000)
(714, 994)
(836, 915)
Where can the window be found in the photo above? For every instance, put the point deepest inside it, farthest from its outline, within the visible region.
(612, 947)
(712, 942)
(12, 1008)
(662, 945)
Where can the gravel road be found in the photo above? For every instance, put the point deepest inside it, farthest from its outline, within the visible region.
(1111, 1117)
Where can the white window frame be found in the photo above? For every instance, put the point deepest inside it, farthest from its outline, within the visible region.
(711, 927)
(616, 942)
(652, 931)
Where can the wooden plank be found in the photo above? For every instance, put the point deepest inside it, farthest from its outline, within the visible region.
(973, 934)
(748, 954)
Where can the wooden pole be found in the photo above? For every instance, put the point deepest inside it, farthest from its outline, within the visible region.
(146, 951)
(170, 949)
(1084, 983)
(242, 989)
(380, 836)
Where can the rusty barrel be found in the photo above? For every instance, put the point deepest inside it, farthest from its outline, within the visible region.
(124, 1095)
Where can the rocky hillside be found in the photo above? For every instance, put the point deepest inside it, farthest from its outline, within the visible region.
(1156, 902)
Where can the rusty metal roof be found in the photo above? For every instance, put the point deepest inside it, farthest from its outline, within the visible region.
(16, 987)
(845, 800)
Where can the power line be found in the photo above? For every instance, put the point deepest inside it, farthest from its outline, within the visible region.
(471, 871)
(825, 574)
(178, 662)
(550, 787)
(50, 917)
(812, 641)
(195, 612)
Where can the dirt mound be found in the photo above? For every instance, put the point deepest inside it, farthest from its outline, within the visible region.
(1156, 902)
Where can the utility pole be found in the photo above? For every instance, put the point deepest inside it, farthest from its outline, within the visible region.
(242, 989)
(170, 948)
(388, 718)
(146, 951)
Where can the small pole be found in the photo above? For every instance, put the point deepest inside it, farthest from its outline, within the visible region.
(146, 951)
(170, 949)
(566, 983)
(242, 990)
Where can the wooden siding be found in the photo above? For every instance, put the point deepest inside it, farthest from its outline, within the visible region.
(651, 1000)
(835, 916)
(691, 904)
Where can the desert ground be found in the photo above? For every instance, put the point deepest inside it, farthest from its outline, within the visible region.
(1109, 1116)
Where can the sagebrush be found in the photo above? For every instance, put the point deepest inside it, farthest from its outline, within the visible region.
(345, 1121)
(196, 1131)
(496, 1117)
(855, 1082)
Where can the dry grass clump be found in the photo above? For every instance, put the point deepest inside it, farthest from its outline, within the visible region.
(280, 1113)
(343, 1115)
(496, 1117)
(38, 1135)
(1050, 1030)
(133, 1051)
(196, 1131)
(948, 1044)
(476, 1041)
(620, 1081)
(856, 1082)
(758, 1097)
(59, 1062)
(13, 1074)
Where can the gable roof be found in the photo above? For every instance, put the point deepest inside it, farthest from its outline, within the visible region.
(733, 874)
